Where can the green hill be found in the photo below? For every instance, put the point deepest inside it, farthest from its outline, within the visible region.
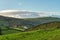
(34, 35)
(34, 23)
(18, 25)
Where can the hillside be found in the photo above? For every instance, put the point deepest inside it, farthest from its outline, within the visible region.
(48, 25)
(11, 22)
(37, 21)
(21, 23)
(39, 34)
(34, 35)
(18, 25)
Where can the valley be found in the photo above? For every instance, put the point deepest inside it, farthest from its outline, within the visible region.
(28, 28)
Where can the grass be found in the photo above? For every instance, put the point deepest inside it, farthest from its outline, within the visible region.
(34, 35)
(19, 29)
(8, 31)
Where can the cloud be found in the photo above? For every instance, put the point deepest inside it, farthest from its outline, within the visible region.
(28, 14)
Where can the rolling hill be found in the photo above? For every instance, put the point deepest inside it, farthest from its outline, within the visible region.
(31, 22)
(26, 23)
(43, 34)
(34, 35)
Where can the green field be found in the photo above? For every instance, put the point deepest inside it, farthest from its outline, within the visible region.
(53, 34)
(8, 31)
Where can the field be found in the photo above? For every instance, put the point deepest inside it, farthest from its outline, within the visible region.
(53, 34)
(8, 31)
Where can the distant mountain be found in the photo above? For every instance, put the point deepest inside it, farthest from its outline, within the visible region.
(12, 22)
(29, 22)
(57, 16)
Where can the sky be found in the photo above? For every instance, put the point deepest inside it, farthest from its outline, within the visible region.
(34, 5)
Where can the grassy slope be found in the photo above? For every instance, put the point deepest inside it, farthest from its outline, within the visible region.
(34, 35)
(8, 31)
